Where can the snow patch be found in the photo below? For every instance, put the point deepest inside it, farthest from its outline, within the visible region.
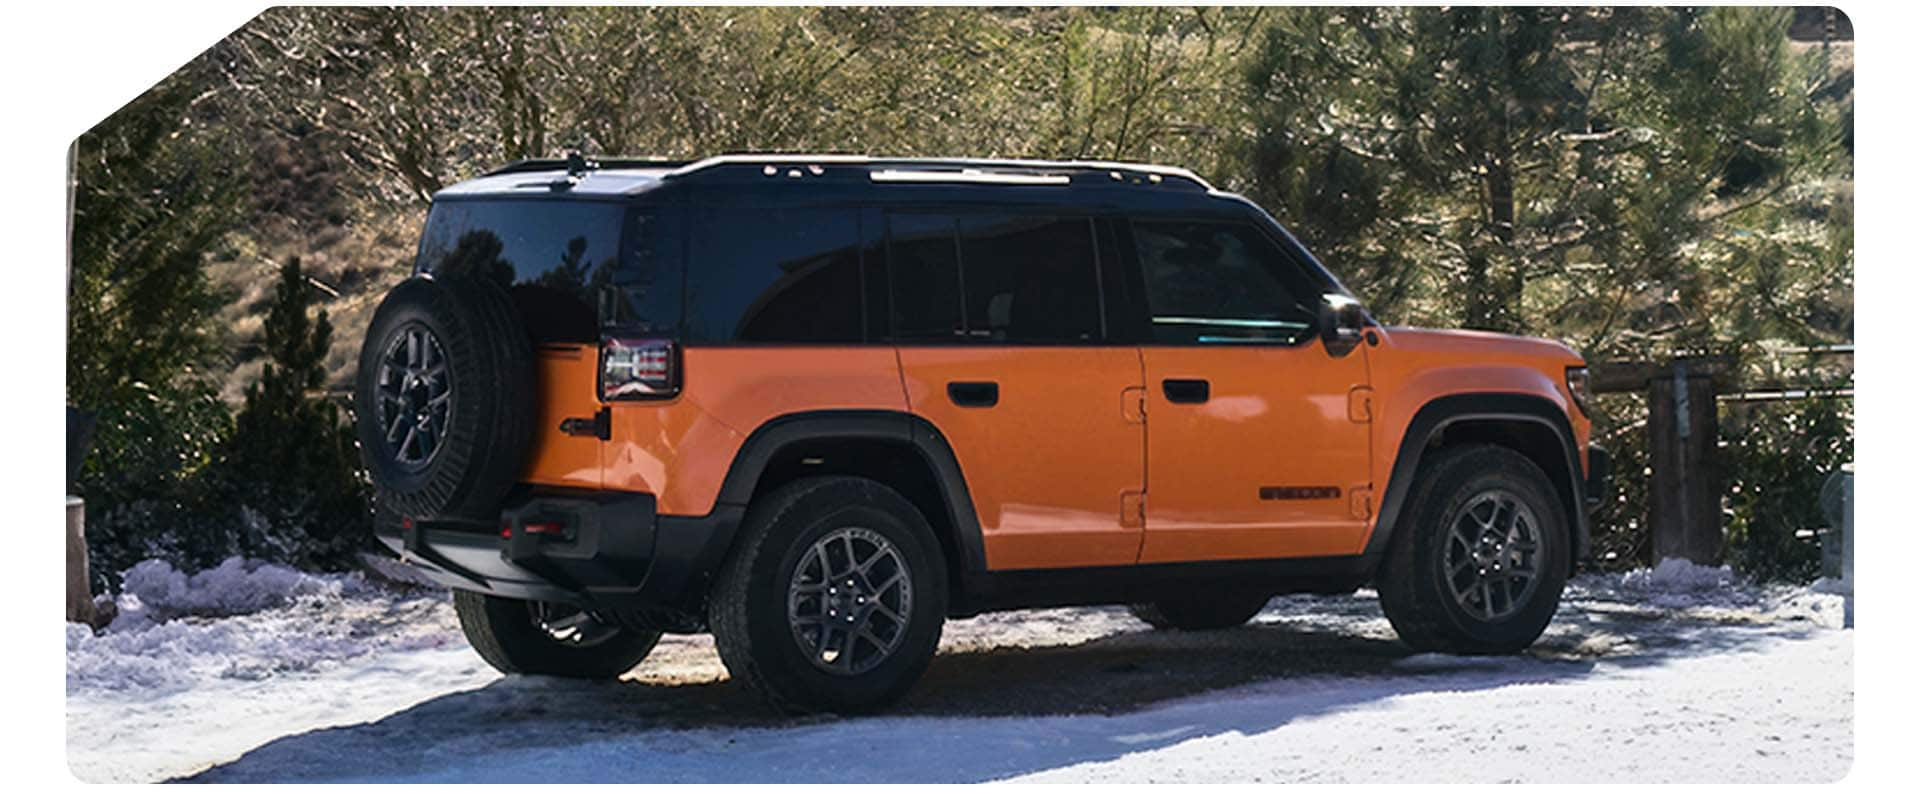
(238, 586)
(1649, 660)
(1675, 575)
(241, 620)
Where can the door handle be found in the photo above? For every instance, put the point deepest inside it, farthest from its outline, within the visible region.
(974, 394)
(1191, 390)
(599, 426)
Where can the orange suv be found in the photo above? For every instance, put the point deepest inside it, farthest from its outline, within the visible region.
(816, 405)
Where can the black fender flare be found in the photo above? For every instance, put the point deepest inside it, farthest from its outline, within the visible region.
(767, 440)
(1436, 415)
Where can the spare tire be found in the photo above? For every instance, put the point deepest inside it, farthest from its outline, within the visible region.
(444, 399)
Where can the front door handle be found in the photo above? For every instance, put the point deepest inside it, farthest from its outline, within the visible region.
(1191, 390)
(974, 394)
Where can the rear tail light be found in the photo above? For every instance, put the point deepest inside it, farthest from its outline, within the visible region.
(633, 369)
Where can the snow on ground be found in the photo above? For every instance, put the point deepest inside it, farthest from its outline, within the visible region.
(1680, 673)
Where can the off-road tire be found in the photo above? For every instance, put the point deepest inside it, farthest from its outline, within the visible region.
(1413, 592)
(503, 631)
(1209, 611)
(489, 360)
(748, 608)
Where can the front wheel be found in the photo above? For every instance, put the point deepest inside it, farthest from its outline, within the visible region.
(834, 600)
(542, 638)
(1478, 561)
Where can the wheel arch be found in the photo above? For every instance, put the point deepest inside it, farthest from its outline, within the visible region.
(1529, 424)
(898, 449)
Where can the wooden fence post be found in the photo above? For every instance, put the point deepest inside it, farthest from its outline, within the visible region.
(79, 586)
(1683, 437)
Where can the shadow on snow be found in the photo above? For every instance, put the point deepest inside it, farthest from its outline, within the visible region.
(976, 715)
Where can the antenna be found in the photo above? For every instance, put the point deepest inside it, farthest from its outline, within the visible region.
(578, 164)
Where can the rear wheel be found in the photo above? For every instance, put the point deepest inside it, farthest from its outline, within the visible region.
(1203, 611)
(834, 599)
(544, 638)
(1479, 560)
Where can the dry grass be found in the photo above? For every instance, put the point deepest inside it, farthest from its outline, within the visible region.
(353, 264)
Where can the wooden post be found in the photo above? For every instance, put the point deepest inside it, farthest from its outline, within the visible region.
(1683, 436)
(79, 587)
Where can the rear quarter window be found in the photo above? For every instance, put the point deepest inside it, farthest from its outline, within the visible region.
(781, 275)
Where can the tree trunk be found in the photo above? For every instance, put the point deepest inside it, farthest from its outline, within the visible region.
(1503, 273)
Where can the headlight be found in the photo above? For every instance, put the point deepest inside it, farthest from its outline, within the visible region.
(1582, 392)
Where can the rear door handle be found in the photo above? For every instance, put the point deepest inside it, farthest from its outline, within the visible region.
(1185, 390)
(974, 394)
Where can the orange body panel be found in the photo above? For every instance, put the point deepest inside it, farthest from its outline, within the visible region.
(1276, 418)
(1412, 367)
(1050, 466)
(567, 379)
(679, 449)
(1058, 469)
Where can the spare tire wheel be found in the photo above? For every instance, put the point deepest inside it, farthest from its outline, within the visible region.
(444, 399)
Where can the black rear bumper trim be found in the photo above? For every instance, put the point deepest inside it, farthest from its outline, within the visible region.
(615, 551)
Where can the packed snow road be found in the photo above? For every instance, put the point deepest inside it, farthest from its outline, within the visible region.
(1677, 674)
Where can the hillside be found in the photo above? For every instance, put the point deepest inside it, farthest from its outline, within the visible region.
(355, 243)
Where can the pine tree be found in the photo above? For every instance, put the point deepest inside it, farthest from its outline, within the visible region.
(152, 202)
(1539, 170)
(291, 462)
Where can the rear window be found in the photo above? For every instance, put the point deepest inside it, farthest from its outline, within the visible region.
(571, 266)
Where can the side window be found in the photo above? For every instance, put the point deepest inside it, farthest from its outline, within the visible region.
(1030, 278)
(1222, 283)
(774, 275)
(994, 277)
(924, 260)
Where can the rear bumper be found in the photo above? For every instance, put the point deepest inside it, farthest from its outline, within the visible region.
(611, 550)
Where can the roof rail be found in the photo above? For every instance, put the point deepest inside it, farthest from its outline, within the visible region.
(529, 165)
(925, 169)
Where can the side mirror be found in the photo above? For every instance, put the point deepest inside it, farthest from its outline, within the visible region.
(1343, 323)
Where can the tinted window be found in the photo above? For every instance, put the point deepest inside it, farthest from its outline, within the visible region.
(554, 256)
(994, 277)
(924, 260)
(647, 293)
(1030, 278)
(774, 275)
(1215, 283)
